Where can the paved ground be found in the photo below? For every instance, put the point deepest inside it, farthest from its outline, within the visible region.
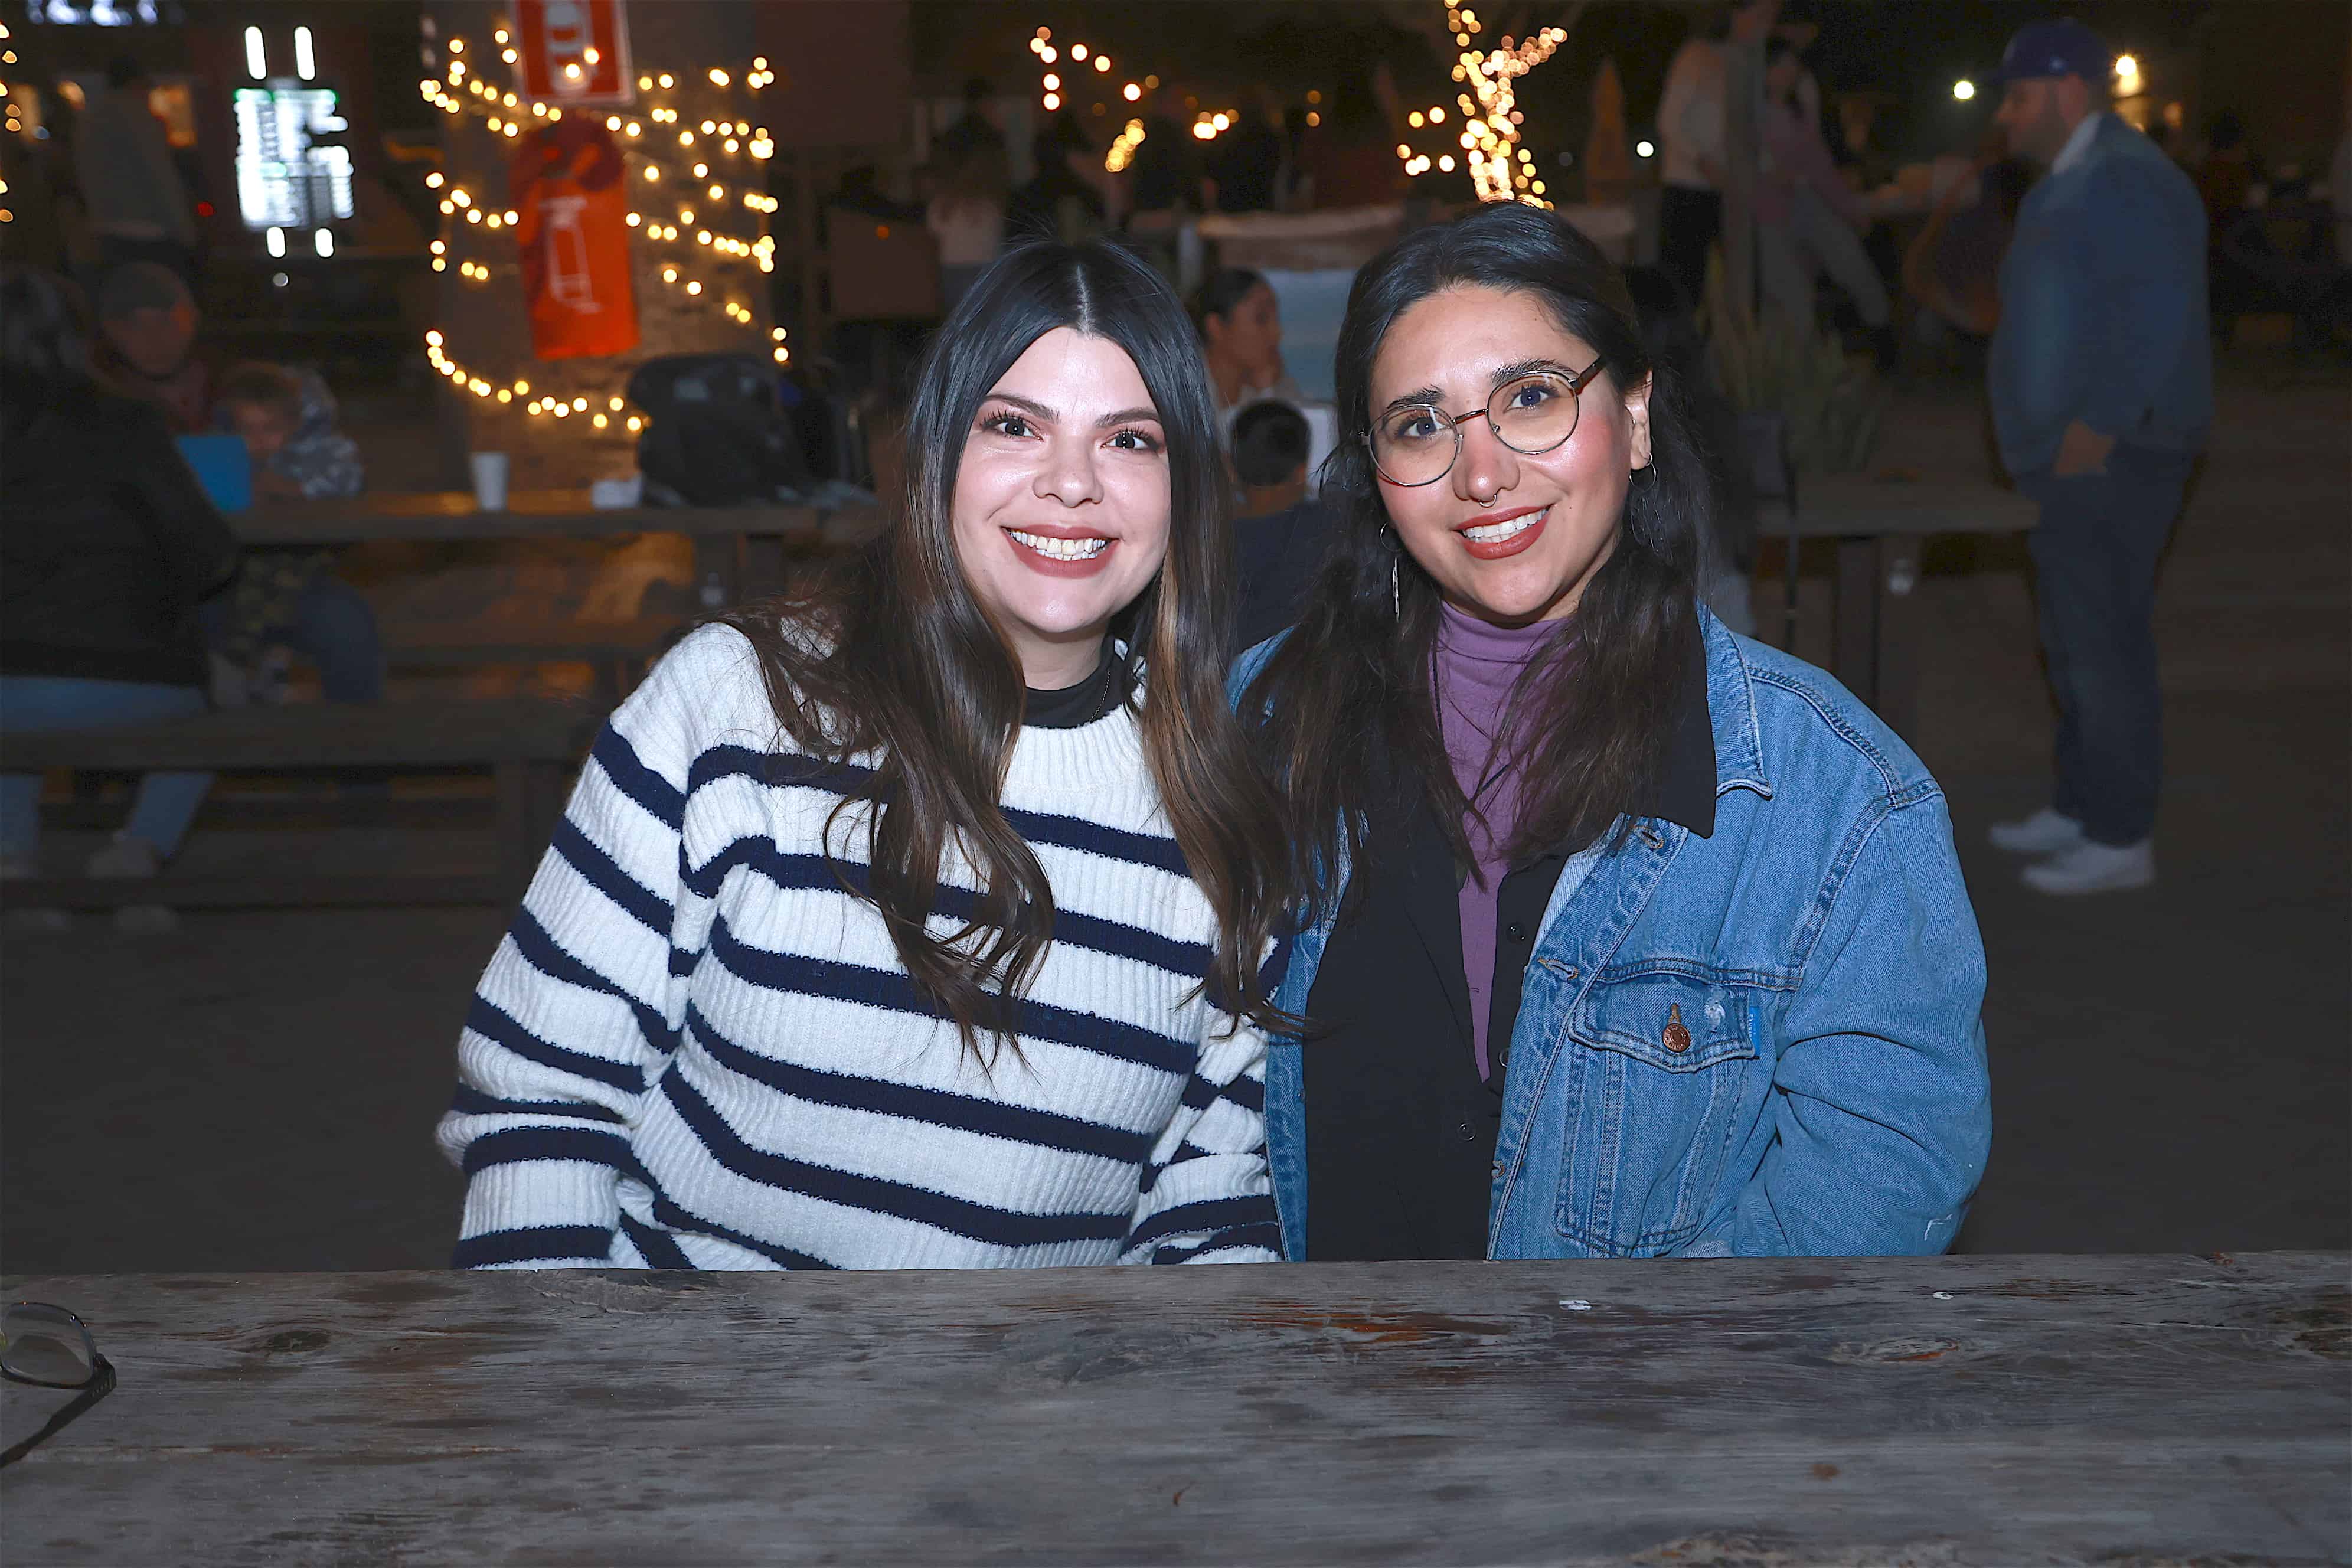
(2170, 1068)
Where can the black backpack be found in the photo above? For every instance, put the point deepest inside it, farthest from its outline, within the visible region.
(718, 435)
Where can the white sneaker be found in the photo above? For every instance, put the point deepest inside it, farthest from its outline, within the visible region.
(2091, 868)
(2046, 832)
(126, 856)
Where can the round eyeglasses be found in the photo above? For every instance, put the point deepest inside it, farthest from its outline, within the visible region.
(1416, 444)
(50, 1347)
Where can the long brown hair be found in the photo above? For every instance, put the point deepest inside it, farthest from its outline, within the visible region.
(906, 663)
(1345, 712)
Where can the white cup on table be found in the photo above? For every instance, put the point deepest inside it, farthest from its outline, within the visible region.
(489, 481)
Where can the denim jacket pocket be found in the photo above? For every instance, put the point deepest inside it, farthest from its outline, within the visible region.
(1659, 1058)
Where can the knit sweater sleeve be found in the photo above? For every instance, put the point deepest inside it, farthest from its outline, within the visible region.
(1207, 1196)
(574, 1016)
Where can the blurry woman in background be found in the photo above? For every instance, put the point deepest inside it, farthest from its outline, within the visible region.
(107, 544)
(1629, 936)
(916, 922)
(1241, 337)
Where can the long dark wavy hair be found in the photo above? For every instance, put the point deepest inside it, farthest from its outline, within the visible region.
(891, 654)
(1344, 715)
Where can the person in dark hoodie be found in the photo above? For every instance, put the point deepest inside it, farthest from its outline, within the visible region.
(107, 545)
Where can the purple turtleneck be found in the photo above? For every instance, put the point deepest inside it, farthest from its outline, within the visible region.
(1478, 664)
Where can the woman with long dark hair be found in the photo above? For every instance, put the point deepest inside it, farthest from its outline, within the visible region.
(1627, 936)
(916, 920)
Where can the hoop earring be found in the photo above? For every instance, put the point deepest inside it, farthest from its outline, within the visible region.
(1396, 596)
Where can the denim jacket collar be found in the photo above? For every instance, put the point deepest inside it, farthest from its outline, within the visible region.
(1730, 698)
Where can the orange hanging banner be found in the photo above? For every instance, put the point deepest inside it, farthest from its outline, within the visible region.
(574, 51)
(572, 233)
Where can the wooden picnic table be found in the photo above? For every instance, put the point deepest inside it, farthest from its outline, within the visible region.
(1953, 1410)
(1880, 523)
(744, 544)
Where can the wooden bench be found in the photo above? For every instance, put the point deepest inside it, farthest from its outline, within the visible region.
(528, 745)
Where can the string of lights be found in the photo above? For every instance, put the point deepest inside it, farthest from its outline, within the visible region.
(1053, 93)
(1500, 169)
(459, 90)
(14, 124)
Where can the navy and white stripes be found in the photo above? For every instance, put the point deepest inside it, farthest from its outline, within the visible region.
(696, 1048)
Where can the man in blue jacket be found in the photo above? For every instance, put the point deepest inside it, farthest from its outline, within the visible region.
(2102, 385)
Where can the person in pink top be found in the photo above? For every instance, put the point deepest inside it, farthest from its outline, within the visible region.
(1807, 221)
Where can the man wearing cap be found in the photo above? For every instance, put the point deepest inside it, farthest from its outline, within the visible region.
(2102, 386)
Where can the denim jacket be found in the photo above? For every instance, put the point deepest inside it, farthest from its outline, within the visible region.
(1764, 1042)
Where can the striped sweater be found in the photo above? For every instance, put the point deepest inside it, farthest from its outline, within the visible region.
(693, 1048)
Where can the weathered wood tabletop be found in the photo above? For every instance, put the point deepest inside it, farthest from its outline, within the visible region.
(1964, 1410)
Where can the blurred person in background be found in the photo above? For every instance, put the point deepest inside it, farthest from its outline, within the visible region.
(1168, 176)
(2225, 175)
(974, 129)
(139, 208)
(1279, 536)
(1351, 159)
(1061, 201)
(1808, 221)
(1691, 118)
(107, 545)
(147, 346)
(2101, 381)
(289, 601)
(966, 216)
(1247, 165)
(1241, 337)
(1953, 265)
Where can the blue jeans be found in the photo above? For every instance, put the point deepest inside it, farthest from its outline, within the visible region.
(2095, 548)
(166, 803)
(333, 626)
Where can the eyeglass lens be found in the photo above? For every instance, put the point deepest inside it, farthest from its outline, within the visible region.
(1531, 416)
(45, 1344)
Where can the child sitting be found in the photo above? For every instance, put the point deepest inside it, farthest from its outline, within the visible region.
(1279, 536)
(289, 598)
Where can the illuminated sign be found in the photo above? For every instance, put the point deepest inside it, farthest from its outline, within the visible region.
(285, 178)
(574, 51)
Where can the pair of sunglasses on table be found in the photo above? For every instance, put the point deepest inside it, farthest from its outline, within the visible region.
(50, 1348)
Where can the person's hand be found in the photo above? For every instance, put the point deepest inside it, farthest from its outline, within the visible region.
(2082, 450)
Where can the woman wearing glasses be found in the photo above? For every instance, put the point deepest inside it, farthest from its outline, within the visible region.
(1630, 937)
(918, 921)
